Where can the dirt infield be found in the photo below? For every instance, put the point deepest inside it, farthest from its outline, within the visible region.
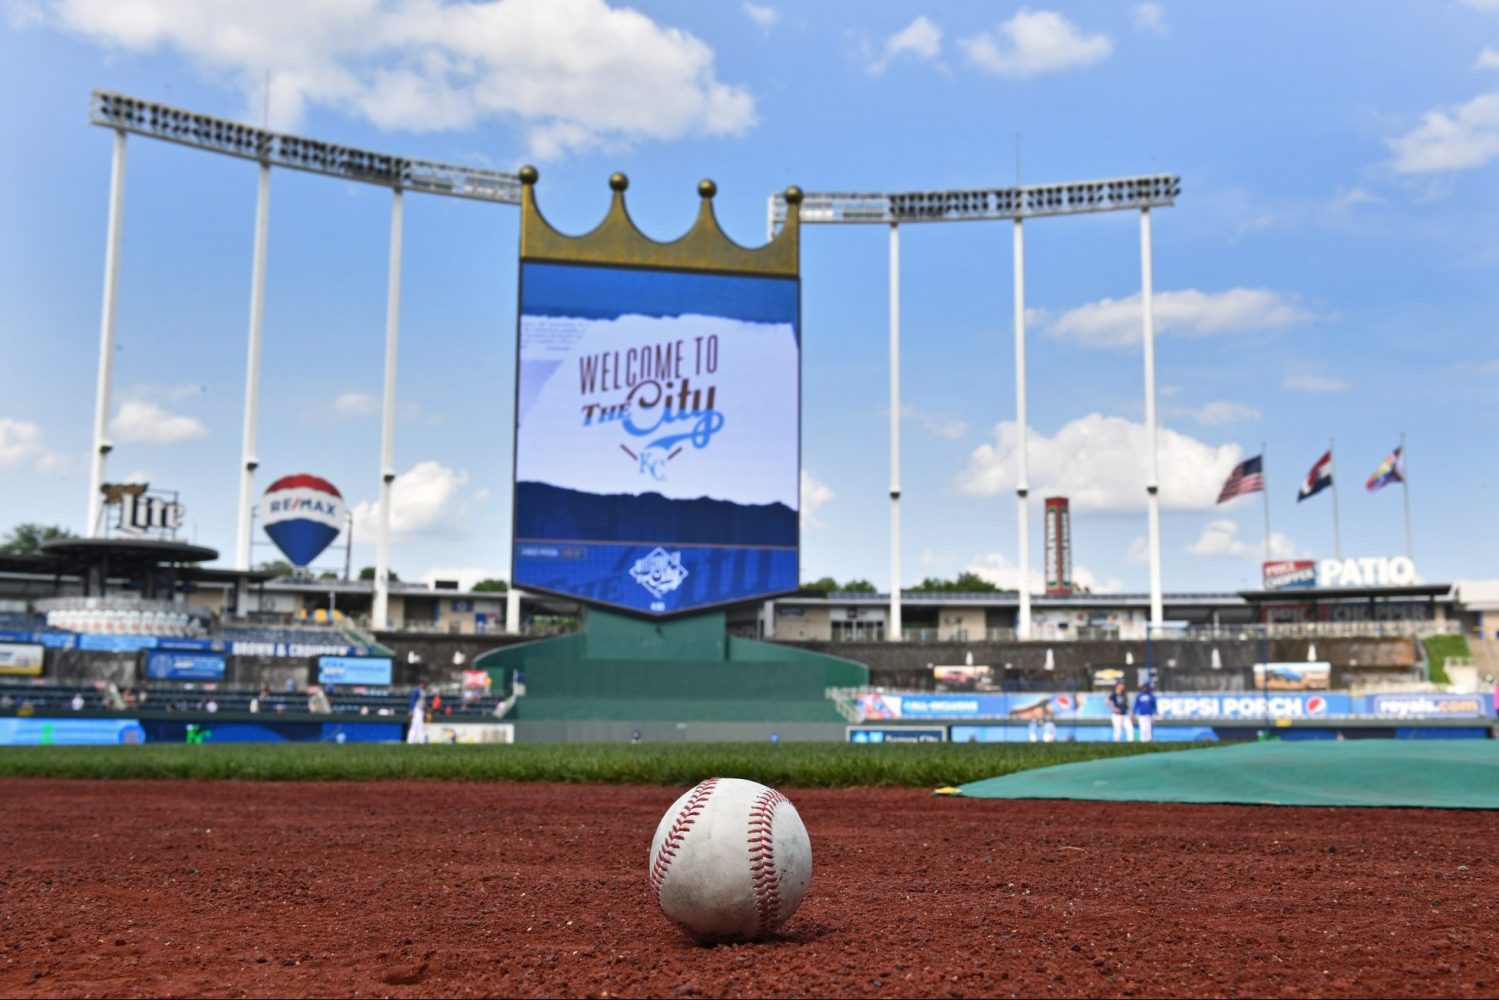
(406, 889)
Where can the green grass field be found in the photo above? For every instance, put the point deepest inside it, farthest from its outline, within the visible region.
(804, 765)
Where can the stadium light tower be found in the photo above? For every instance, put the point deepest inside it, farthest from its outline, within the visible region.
(218, 135)
(990, 204)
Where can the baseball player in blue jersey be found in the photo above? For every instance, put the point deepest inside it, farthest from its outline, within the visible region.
(1145, 710)
(1124, 730)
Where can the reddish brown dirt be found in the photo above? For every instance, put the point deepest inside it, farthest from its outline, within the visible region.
(147, 888)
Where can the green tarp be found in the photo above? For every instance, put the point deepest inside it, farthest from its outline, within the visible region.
(1437, 774)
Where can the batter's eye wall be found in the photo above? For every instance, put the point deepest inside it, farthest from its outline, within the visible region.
(658, 415)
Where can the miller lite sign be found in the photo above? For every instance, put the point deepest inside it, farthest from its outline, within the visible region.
(141, 512)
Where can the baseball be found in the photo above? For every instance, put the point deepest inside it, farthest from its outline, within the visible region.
(730, 860)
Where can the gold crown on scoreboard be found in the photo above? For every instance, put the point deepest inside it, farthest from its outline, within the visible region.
(618, 242)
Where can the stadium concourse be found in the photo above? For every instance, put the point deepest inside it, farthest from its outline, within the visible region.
(138, 638)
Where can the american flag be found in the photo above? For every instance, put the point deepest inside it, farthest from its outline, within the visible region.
(1248, 477)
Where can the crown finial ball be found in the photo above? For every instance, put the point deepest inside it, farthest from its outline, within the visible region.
(529, 174)
(793, 195)
(707, 188)
(618, 182)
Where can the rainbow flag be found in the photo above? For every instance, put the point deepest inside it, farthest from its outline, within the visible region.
(1391, 470)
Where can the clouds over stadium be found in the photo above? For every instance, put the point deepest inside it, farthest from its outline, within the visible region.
(1100, 462)
(23, 448)
(1188, 313)
(576, 74)
(428, 499)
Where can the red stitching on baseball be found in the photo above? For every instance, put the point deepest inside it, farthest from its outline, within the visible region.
(669, 846)
(767, 883)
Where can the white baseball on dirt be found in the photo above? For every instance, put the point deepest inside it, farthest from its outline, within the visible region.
(730, 860)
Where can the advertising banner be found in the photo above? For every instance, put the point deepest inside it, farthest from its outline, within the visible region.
(369, 670)
(657, 453)
(964, 678)
(1292, 676)
(166, 665)
(33, 732)
(896, 734)
(1250, 705)
(1290, 574)
(1067, 706)
(981, 706)
(1425, 706)
(21, 659)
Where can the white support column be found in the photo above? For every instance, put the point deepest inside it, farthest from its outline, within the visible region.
(248, 459)
(381, 611)
(512, 606)
(1152, 482)
(893, 626)
(1022, 482)
(106, 337)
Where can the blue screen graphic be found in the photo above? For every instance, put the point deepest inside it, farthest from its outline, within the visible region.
(369, 670)
(657, 437)
(165, 665)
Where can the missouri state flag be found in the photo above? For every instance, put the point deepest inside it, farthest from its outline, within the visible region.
(1248, 477)
(1319, 479)
(1391, 470)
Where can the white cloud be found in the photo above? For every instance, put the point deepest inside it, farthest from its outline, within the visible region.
(1034, 42)
(23, 448)
(940, 425)
(1487, 6)
(1461, 139)
(1189, 312)
(1150, 19)
(765, 17)
(1313, 383)
(1004, 574)
(1139, 551)
(921, 39)
(138, 476)
(1100, 463)
(140, 421)
(353, 405)
(1220, 539)
(1220, 411)
(362, 405)
(815, 496)
(427, 499)
(576, 74)
(1346, 201)
(1487, 59)
(466, 576)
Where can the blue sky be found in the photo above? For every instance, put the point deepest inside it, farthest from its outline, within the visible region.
(1328, 269)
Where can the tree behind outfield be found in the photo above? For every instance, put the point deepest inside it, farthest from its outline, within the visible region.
(26, 538)
(966, 583)
(491, 586)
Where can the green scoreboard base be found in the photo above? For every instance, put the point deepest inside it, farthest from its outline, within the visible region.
(625, 669)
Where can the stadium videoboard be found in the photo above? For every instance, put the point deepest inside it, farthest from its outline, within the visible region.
(657, 455)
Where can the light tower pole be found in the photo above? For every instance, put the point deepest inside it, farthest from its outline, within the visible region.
(107, 336)
(1152, 482)
(249, 462)
(893, 631)
(1022, 477)
(381, 609)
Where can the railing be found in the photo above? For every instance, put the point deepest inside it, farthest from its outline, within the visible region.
(845, 700)
(1197, 633)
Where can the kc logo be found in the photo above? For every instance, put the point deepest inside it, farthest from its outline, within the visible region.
(659, 572)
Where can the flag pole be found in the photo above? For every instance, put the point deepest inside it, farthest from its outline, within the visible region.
(1405, 491)
(1337, 534)
(1265, 484)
